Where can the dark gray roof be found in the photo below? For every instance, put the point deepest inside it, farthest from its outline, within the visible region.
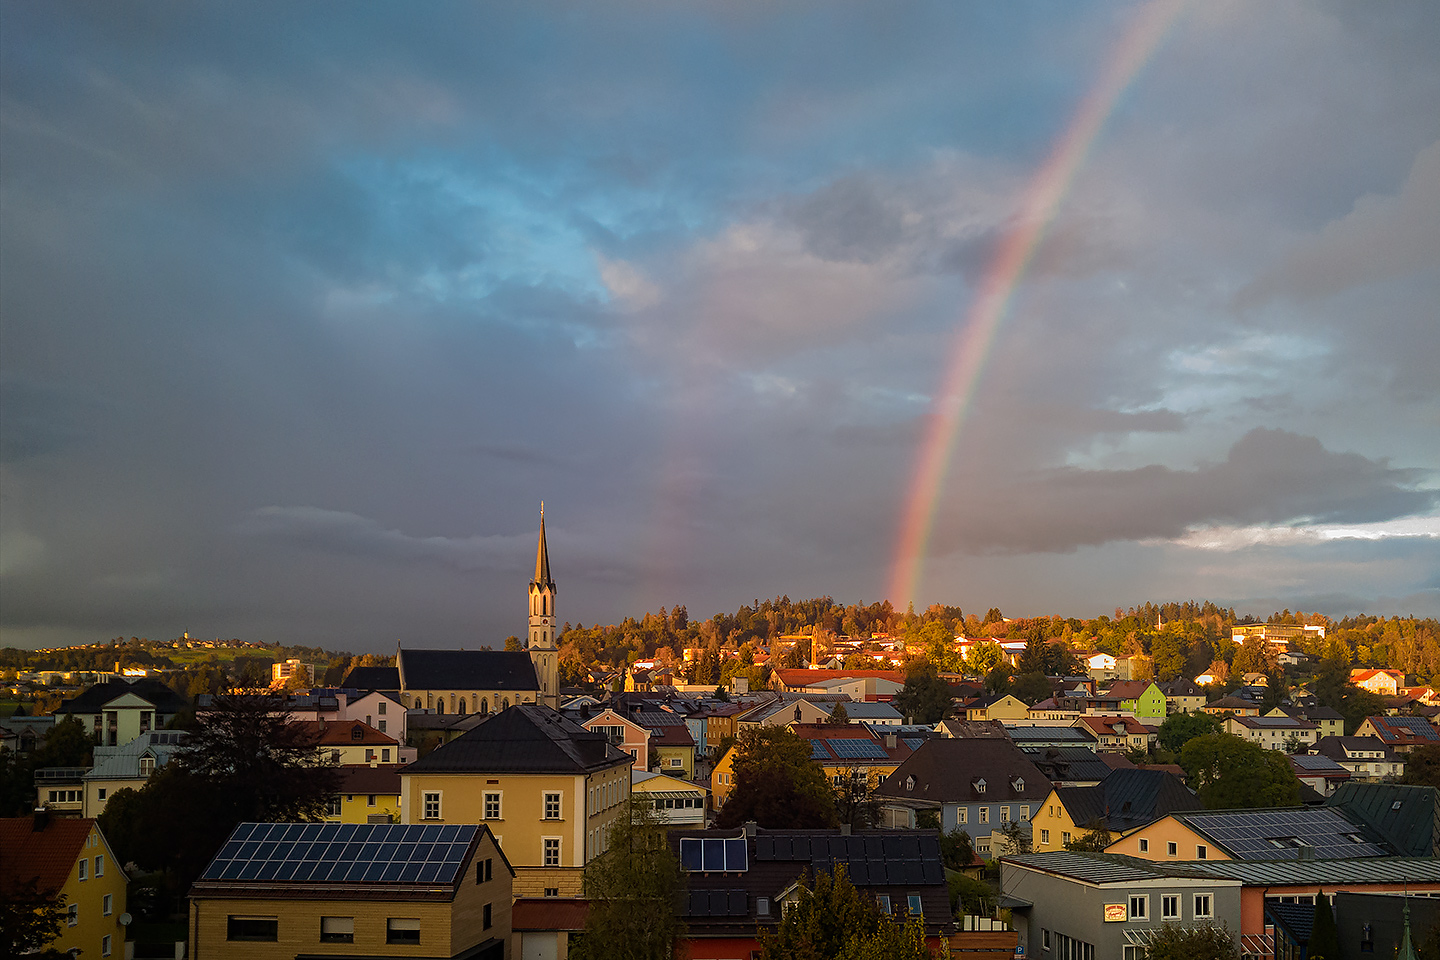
(95, 698)
(1127, 799)
(870, 859)
(1092, 867)
(373, 678)
(1027, 734)
(1069, 763)
(1336, 747)
(1406, 816)
(946, 771)
(1115, 868)
(1286, 833)
(527, 738)
(466, 670)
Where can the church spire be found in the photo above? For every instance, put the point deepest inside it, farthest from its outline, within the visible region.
(542, 555)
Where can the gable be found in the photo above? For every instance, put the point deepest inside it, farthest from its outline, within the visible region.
(129, 701)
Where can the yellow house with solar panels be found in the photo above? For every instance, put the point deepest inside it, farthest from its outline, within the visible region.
(545, 786)
(845, 750)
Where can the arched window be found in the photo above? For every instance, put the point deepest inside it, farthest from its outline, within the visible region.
(440, 706)
(507, 703)
(484, 704)
(462, 706)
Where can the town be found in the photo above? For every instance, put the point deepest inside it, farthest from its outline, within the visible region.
(920, 785)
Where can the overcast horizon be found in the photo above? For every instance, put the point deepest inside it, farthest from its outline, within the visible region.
(302, 315)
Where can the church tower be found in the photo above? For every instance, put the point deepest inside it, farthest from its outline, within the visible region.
(541, 641)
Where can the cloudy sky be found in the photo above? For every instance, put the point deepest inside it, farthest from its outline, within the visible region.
(306, 308)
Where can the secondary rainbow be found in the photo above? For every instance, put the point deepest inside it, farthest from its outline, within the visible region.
(976, 334)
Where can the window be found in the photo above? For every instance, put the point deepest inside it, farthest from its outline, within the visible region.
(384, 754)
(1005, 814)
(484, 870)
(403, 930)
(100, 794)
(370, 800)
(1170, 907)
(762, 906)
(884, 903)
(337, 929)
(1202, 906)
(84, 869)
(382, 722)
(72, 915)
(485, 917)
(1025, 811)
(99, 864)
(552, 806)
(380, 709)
(1171, 848)
(1064, 836)
(1045, 938)
(1139, 908)
(107, 905)
(432, 807)
(492, 806)
(962, 814)
(552, 891)
(984, 814)
(552, 852)
(252, 928)
(1144, 845)
(357, 733)
(1044, 836)
(1201, 851)
(676, 762)
(912, 903)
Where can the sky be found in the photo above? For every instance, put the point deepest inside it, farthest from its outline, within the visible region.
(304, 309)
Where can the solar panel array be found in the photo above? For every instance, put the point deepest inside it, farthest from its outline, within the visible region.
(857, 749)
(1282, 834)
(914, 742)
(714, 855)
(818, 751)
(717, 903)
(868, 860)
(343, 853)
(1417, 726)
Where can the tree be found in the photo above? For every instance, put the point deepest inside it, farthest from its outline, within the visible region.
(513, 644)
(1180, 728)
(29, 917)
(854, 800)
(1422, 767)
(1032, 688)
(925, 697)
(1324, 943)
(984, 657)
(633, 888)
(1256, 655)
(839, 716)
(1171, 942)
(777, 784)
(68, 744)
(968, 895)
(1168, 649)
(834, 920)
(1094, 840)
(956, 849)
(1228, 772)
(997, 681)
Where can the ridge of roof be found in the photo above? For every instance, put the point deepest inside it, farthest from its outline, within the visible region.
(437, 669)
(525, 738)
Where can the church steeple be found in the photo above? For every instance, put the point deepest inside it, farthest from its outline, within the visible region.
(541, 639)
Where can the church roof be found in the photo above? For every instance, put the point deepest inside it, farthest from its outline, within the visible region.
(526, 738)
(373, 678)
(466, 670)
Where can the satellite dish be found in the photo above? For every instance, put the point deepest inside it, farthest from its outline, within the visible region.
(125, 919)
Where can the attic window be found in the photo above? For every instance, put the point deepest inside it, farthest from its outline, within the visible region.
(357, 733)
(1395, 805)
(909, 783)
(1018, 783)
(980, 785)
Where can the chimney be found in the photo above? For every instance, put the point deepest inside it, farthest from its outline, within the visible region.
(844, 829)
(750, 827)
(890, 741)
(42, 819)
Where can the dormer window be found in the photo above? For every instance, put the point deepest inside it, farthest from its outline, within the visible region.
(357, 733)
(147, 766)
(909, 783)
(980, 785)
(1018, 784)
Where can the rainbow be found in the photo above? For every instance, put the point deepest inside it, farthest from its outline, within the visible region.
(976, 335)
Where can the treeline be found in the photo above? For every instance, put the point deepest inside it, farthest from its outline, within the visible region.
(142, 652)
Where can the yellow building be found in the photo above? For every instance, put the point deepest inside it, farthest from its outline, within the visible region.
(722, 778)
(548, 788)
(352, 742)
(71, 857)
(367, 795)
(345, 890)
(1128, 800)
(843, 750)
(1004, 707)
(1169, 838)
(676, 802)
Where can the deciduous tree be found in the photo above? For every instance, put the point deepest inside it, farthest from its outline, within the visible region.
(1228, 772)
(1172, 942)
(633, 889)
(925, 697)
(777, 784)
(1180, 728)
(831, 919)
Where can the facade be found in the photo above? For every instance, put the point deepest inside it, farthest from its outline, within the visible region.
(353, 890)
(71, 858)
(1182, 696)
(1117, 733)
(1328, 721)
(376, 708)
(1122, 803)
(1367, 758)
(354, 742)
(1236, 705)
(1092, 907)
(624, 734)
(849, 750)
(1278, 633)
(547, 787)
(129, 766)
(671, 745)
(975, 784)
(1004, 707)
(1319, 773)
(785, 711)
(676, 802)
(368, 794)
(1387, 683)
(282, 673)
(884, 683)
(1272, 733)
(466, 681)
(1141, 699)
(118, 712)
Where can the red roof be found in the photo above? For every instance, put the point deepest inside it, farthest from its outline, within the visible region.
(549, 914)
(339, 733)
(805, 678)
(357, 778)
(46, 855)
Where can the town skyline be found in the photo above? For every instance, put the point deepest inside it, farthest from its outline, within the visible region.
(304, 316)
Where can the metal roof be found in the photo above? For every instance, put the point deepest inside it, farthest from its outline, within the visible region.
(1093, 867)
(1364, 870)
(304, 853)
(1407, 816)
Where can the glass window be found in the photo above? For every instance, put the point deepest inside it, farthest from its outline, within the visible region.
(1170, 908)
(1139, 908)
(1171, 848)
(912, 903)
(1202, 906)
(1201, 851)
(334, 810)
(337, 929)
(1044, 836)
(492, 806)
(552, 851)
(100, 865)
(370, 800)
(1005, 814)
(1064, 836)
(1025, 811)
(72, 915)
(1144, 845)
(884, 903)
(962, 815)
(552, 806)
(432, 807)
(252, 928)
(402, 930)
(84, 869)
(485, 917)
(100, 794)
(984, 814)
(105, 945)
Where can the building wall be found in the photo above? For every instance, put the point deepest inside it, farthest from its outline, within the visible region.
(1053, 825)
(636, 740)
(356, 808)
(88, 896)
(722, 778)
(1161, 833)
(667, 755)
(476, 701)
(95, 803)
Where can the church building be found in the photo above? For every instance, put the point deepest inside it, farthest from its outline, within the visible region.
(481, 681)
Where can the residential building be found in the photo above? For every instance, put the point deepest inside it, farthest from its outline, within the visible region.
(1318, 772)
(368, 794)
(1273, 733)
(722, 778)
(1141, 699)
(1367, 758)
(354, 890)
(626, 735)
(549, 787)
(1118, 733)
(1094, 907)
(1239, 706)
(118, 711)
(281, 674)
(970, 783)
(844, 750)
(61, 790)
(69, 858)
(998, 707)
(1387, 683)
(676, 802)
(873, 714)
(672, 748)
(1401, 734)
(379, 709)
(1057, 709)
(740, 881)
(1032, 735)
(543, 928)
(1270, 833)
(720, 724)
(428, 730)
(130, 766)
(1182, 696)
(355, 742)
(802, 708)
(1328, 721)
(1407, 816)
(871, 684)
(1075, 766)
(1123, 802)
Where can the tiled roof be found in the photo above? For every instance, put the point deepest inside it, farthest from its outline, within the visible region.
(466, 670)
(46, 856)
(1115, 868)
(1070, 763)
(1274, 723)
(549, 914)
(340, 733)
(805, 678)
(1339, 748)
(363, 778)
(946, 770)
(526, 738)
(1128, 799)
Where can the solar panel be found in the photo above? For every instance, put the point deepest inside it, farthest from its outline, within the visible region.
(914, 742)
(1287, 834)
(818, 751)
(332, 853)
(858, 750)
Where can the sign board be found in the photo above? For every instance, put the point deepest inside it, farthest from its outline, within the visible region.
(1116, 913)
